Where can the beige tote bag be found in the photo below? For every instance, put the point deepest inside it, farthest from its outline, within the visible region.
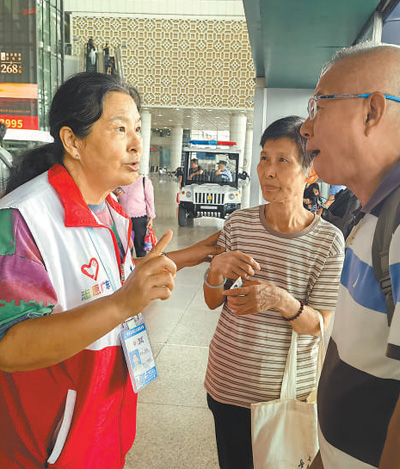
(284, 431)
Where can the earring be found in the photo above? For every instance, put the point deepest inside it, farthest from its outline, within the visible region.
(76, 156)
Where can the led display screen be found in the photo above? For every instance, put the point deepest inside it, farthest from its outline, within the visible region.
(18, 64)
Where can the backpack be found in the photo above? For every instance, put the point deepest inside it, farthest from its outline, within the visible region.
(384, 230)
(344, 212)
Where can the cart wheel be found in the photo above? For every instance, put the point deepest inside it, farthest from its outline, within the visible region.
(184, 217)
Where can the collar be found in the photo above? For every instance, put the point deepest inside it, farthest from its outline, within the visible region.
(386, 187)
(77, 212)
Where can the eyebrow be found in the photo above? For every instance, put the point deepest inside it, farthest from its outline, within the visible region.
(122, 118)
(266, 153)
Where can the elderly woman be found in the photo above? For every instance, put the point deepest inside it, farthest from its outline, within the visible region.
(293, 259)
(68, 284)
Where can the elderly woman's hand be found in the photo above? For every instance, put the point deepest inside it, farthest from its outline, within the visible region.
(253, 297)
(153, 278)
(234, 264)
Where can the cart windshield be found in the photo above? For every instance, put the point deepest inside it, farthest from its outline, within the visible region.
(204, 166)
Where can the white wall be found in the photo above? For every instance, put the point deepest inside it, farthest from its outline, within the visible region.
(284, 102)
(280, 102)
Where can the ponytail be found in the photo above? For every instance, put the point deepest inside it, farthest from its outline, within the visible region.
(32, 163)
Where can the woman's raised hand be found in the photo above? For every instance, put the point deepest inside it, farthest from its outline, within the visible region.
(152, 279)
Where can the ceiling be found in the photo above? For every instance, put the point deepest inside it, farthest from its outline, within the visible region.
(292, 39)
(198, 118)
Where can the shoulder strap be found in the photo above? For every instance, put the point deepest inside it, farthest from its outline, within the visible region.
(380, 248)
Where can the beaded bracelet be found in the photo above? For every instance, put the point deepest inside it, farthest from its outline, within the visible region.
(208, 284)
(297, 314)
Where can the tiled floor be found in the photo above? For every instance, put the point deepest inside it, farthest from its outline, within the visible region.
(175, 428)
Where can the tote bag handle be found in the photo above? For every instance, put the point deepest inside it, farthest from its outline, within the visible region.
(288, 387)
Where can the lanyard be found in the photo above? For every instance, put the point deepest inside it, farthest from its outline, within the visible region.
(96, 245)
(130, 322)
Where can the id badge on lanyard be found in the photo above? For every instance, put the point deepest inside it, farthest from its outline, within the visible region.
(135, 341)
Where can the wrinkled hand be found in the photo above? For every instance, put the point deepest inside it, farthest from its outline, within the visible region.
(255, 296)
(153, 278)
(234, 264)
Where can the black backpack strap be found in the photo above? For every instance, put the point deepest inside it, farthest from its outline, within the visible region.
(384, 230)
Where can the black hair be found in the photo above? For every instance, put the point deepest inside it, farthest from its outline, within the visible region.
(314, 185)
(194, 160)
(3, 130)
(289, 127)
(78, 104)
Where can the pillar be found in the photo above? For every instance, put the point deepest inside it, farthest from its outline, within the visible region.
(237, 133)
(246, 166)
(248, 149)
(146, 134)
(176, 146)
(260, 113)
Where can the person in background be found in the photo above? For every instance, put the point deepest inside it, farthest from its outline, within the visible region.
(334, 189)
(223, 172)
(312, 198)
(342, 210)
(291, 261)
(137, 200)
(106, 50)
(353, 136)
(179, 175)
(91, 56)
(69, 283)
(195, 169)
(5, 159)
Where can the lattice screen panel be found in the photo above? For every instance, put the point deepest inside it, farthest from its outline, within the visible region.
(177, 62)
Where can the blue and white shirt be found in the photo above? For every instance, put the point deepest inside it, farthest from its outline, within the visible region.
(360, 381)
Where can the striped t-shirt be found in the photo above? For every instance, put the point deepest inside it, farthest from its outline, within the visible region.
(360, 381)
(248, 353)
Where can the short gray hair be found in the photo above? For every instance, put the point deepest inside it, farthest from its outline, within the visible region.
(356, 50)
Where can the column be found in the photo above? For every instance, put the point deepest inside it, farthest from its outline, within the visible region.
(246, 166)
(176, 146)
(260, 112)
(146, 134)
(248, 149)
(237, 133)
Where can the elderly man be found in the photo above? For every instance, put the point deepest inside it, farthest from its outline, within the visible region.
(353, 134)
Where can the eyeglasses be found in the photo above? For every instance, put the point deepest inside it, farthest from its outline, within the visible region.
(312, 103)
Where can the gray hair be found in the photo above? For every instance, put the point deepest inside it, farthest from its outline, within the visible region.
(358, 49)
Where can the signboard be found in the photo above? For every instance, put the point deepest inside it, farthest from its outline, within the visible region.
(18, 68)
(19, 105)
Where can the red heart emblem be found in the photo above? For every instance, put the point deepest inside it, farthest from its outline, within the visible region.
(91, 269)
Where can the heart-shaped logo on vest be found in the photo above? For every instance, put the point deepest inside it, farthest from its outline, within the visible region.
(91, 269)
